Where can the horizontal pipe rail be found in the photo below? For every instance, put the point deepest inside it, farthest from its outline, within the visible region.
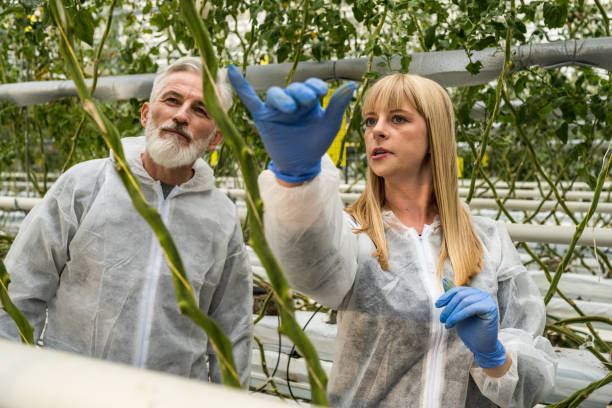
(444, 67)
(602, 237)
(479, 192)
(37, 377)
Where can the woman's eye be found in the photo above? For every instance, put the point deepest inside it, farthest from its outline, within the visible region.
(398, 119)
(369, 122)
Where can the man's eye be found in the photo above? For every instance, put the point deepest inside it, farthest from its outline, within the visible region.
(201, 111)
(171, 100)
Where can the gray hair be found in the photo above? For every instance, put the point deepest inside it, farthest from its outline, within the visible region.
(193, 64)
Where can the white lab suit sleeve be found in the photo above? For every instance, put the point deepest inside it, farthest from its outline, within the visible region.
(38, 256)
(522, 318)
(311, 235)
(232, 309)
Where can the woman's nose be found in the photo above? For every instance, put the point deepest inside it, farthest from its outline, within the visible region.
(379, 131)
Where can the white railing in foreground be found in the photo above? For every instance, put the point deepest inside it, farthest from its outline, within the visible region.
(35, 377)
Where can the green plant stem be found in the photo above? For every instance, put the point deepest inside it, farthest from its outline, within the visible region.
(579, 340)
(262, 312)
(73, 141)
(550, 183)
(485, 137)
(75, 136)
(300, 44)
(584, 319)
(246, 160)
(579, 229)
(264, 368)
(491, 185)
(188, 305)
(578, 397)
(26, 331)
(604, 15)
(109, 21)
(353, 120)
(420, 35)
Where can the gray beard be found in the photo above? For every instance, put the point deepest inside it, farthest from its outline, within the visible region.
(168, 151)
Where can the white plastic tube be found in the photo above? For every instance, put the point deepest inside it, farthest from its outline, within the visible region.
(35, 377)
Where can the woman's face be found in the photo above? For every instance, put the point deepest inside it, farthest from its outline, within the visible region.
(396, 141)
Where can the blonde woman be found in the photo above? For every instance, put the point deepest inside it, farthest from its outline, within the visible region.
(401, 340)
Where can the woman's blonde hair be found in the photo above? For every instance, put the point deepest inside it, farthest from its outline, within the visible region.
(459, 241)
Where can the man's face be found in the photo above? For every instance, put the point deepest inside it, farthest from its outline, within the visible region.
(178, 128)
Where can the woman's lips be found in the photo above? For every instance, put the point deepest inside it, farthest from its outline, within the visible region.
(378, 154)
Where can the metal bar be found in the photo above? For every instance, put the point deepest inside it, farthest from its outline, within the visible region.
(444, 67)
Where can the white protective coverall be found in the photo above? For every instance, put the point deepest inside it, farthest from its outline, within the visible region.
(88, 256)
(391, 349)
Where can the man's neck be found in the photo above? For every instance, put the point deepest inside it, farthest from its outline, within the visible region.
(174, 176)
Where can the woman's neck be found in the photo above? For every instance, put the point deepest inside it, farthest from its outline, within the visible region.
(411, 201)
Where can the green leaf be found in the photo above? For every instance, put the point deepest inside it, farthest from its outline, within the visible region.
(562, 132)
(474, 67)
(555, 14)
(430, 36)
(545, 110)
(484, 43)
(372, 75)
(10, 10)
(589, 178)
(84, 26)
(405, 63)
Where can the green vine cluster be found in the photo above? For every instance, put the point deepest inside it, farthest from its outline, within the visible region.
(550, 126)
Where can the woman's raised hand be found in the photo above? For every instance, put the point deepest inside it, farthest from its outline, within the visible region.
(295, 129)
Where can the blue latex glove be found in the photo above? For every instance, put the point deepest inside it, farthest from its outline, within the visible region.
(474, 313)
(294, 128)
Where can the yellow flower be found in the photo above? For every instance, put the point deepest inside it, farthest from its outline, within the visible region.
(28, 28)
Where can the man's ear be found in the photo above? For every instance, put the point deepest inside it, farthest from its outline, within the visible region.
(144, 114)
(217, 138)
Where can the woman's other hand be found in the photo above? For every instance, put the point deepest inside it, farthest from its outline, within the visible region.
(474, 314)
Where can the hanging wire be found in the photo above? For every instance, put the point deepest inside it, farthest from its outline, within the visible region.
(291, 353)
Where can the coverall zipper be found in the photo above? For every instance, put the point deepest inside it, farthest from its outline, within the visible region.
(434, 359)
(153, 272)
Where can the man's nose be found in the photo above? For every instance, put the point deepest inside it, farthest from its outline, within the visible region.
(181, 116)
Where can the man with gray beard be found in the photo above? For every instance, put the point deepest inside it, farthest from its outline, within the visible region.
(86, 259)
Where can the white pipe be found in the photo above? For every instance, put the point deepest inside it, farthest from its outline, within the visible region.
(531, 205)
(552, 234)
(36, 377)
(574, 285)
(18, 203)
(480, 192)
